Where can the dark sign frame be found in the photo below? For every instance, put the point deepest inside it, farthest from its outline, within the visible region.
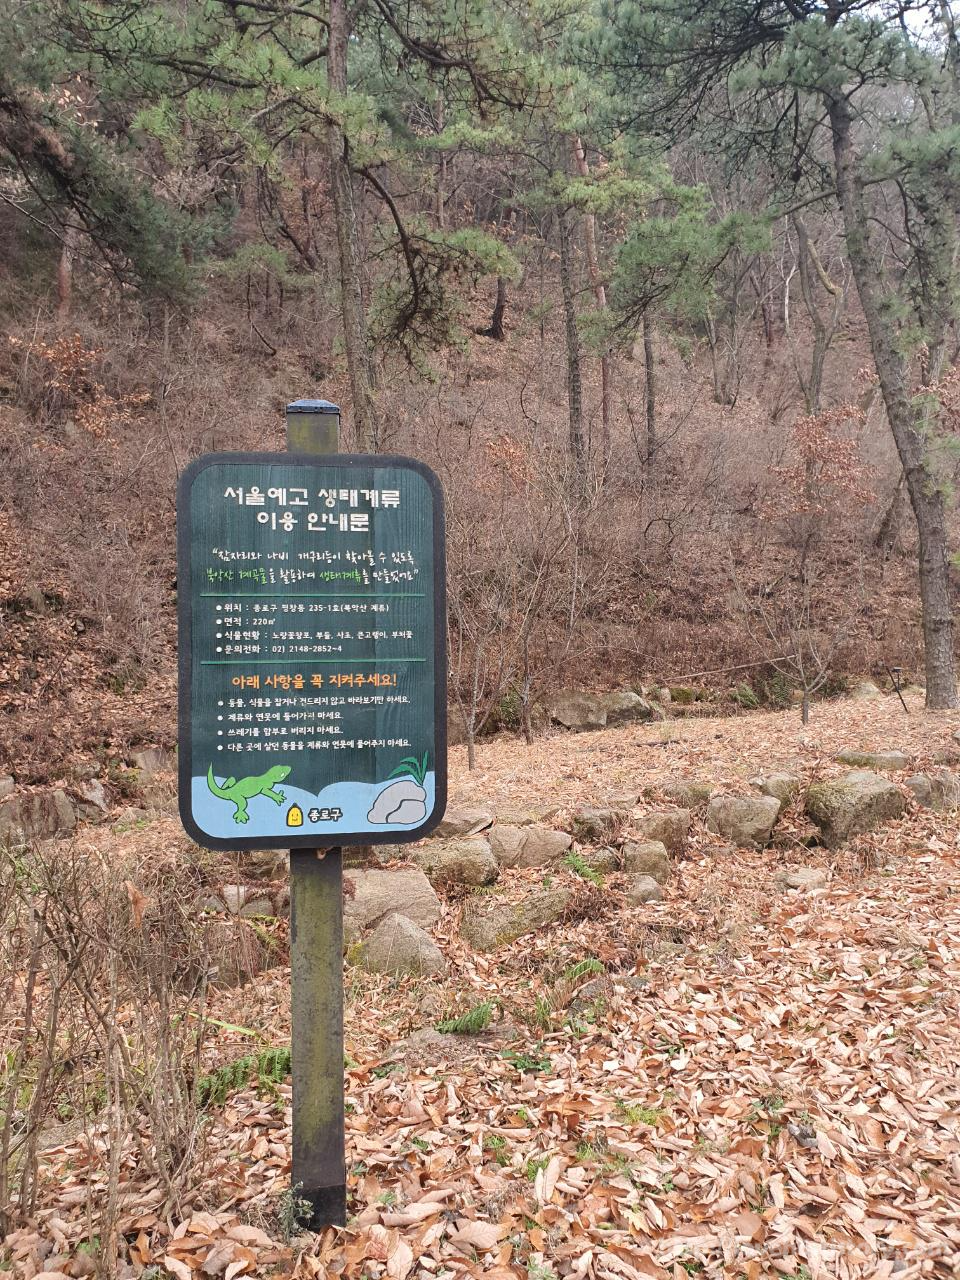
(290, 840)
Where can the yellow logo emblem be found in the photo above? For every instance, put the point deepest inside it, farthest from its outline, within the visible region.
(294, 816)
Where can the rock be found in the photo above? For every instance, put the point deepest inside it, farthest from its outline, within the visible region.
(648, 859)
(670, 826)
(397, 945)
(643, 889)
(689, 793)
(264, 864)
(746, 820)
(254, 907)
(7, 786)
(939, 789)
(489, 923)
(597, 824)
(865, 690)
(457, 862)
(403, 801)
(801, 878)
(578, 712)
(623, 706)
(782, 786)
(152, 760)
(605, 860)
(241, 900)
(233, 896)
(521, 817)
(604, 987)
(885, 761)
(237, 952)
(463, 822)
(372, 893)
(846, 806)
(507, 843)
(543, 846)
(36, 815)
(92, 793)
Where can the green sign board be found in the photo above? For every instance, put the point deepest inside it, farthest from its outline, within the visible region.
(312, 657)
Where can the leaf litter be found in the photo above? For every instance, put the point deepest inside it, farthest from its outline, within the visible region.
(759, 1083)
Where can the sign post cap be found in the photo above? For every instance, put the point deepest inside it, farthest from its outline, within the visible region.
(313, 406)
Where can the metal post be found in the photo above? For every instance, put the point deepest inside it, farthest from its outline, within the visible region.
(316, 959)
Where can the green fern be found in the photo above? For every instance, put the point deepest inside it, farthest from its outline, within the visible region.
(470, 1023)
(582, 969)
(580, 867)
(270, 1066)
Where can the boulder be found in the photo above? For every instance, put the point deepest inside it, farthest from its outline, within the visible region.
(525, 817)
(94, 797)
(264, 864)
(237, 952)
(369, 894)
(670, 826)
(463, 822)
(543, 846)
(36, 815)
(846, 806)
(457, 862)
(939, 789)
(605, 860)
(782, 786)
(865, 690)
(745, 820)
(489, 923)
(397, 945)
(885, 761)
(578, 712)
(623, 706)
(507, 843)
(528, 846)
(592, 824)
(648, 859)
(688, 793)
(643, 889)
(241, 900)
(801, 878)
(152, 760)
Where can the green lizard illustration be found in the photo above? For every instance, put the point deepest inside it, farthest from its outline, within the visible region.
(240, 792)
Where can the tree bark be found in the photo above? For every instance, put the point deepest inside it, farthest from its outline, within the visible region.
(650, 388)
(926, 497)
(600, 294)
(574, 381)
(65, 274)
(359, 357)
(495, 328)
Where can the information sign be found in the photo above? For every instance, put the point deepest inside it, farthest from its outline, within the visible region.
(313, 670)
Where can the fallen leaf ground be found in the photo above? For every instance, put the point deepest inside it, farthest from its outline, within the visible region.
(779, 1096)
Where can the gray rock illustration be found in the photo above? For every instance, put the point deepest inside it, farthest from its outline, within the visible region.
(399, 802)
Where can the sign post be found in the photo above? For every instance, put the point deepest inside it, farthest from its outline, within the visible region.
(312, 704)
(319, 1175)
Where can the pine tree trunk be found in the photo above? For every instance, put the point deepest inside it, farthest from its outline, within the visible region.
(926, 497)
(574, 382)
(649, 374)
(65, 274)
(495, 328)
(359, 359)
(600, 294)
